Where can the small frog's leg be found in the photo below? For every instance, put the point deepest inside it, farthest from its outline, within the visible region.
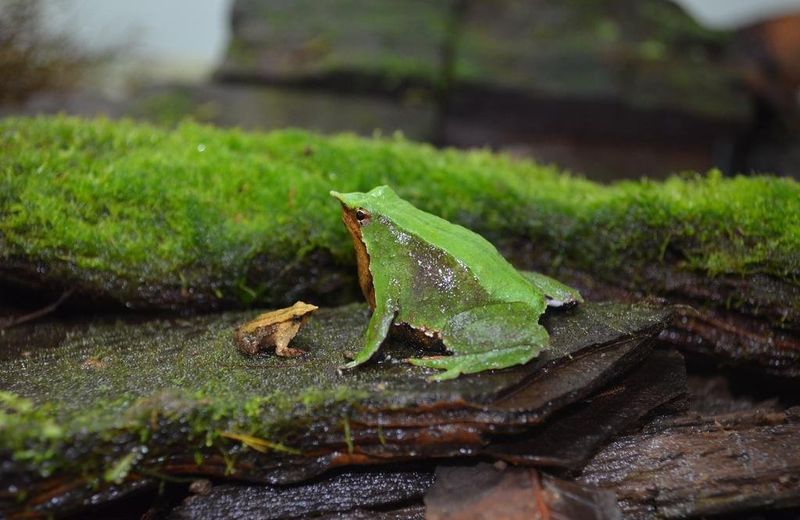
(377, 330)
(556, 293)
(493, 336)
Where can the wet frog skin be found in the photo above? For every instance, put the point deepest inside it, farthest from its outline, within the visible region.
(448, 283)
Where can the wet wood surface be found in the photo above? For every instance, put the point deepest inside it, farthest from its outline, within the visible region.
(750, 322)
(345, 492)
(696, 465)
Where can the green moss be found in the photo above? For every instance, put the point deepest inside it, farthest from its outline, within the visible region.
(171, 105)
(132, 211)
(120, 469)
(29, 431)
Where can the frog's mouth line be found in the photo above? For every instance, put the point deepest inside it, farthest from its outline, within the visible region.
(362, 256)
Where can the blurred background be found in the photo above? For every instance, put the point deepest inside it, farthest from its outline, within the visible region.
(607, 88)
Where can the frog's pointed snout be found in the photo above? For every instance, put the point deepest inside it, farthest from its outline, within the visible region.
(344, 198)
(348, 200)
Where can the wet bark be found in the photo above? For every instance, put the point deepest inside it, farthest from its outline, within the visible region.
(695, 465)
(177, 383)
(749, 322)
(341, 493)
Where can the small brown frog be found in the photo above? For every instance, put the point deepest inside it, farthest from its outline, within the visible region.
(274, 329)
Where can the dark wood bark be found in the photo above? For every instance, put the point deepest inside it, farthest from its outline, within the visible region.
(695, 465)
(750, 322)
(340, 493)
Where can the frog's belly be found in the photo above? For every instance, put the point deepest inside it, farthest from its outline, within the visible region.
(424, 320)
(420, 330)
(426, 338)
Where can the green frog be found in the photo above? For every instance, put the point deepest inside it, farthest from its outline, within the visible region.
(448, 284)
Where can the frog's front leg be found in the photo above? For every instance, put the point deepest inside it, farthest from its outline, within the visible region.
(493, 336)
(378, 328)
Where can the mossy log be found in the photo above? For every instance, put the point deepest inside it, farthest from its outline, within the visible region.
(448, 48)
(602, 51)
(198, 218)
(746, 321)
(258, 107)
(298, 40)
(90, 412)
(690, 465)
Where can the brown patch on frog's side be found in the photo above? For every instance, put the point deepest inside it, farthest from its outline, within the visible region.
(362, 257)
(418, 337)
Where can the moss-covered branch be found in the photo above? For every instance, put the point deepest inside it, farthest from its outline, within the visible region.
(202, 217)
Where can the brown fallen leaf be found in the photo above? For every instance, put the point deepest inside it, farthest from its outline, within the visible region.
(274, 329)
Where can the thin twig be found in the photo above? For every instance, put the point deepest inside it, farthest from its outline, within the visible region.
(44, 311)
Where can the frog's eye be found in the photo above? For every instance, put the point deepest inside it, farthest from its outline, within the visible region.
(362, 216)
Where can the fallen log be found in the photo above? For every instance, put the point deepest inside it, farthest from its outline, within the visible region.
(572, 435)
(341, 493)
(750, 322)
(694, 465)
(81, 212)
(98, 410)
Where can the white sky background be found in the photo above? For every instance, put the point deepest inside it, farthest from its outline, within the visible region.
(726, 14)
(186, 38)
(179, 38)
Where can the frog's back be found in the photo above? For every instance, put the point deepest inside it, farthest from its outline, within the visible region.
(501, 281)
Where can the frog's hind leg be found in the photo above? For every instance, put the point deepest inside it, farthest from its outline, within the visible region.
(493, 336)
(556, 293)
(456, 365)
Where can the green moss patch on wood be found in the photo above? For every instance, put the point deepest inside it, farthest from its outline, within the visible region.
(201, 217)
